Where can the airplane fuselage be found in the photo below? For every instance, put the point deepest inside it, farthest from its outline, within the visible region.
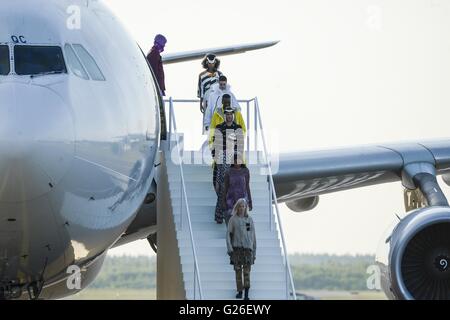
(77, 146)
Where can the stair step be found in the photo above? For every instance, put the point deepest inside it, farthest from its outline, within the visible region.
(201, 223)
(205, 168)
(225, 260)
(211, 225)
(208, 217)
(212, 200)
(219, 243)
(204, 210)
(231, 285)
(216, 251)
(229, 275)
(210, 235)
(226, 294)
(258, 208)
(222, 252)
(210, 194)
(207, 177)
(200, 226)
(196, 186)
(220, 262)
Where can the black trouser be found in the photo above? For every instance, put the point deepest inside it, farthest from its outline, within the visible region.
(214, 175)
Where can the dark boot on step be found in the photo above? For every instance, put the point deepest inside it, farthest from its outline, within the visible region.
(239, 295)
(246, 294)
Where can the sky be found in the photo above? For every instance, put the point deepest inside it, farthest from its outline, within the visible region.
(346, 73)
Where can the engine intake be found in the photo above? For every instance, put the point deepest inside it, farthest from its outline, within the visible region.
(425, 265)
(418, 264)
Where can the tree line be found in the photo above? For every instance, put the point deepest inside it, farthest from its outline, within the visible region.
(310, 272)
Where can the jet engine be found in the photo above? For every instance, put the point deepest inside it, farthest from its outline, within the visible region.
(302, 205)
(415, 262)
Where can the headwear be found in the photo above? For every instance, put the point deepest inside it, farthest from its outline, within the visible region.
(160, 39)
(228, 110)
(160, 42)
(211, 58)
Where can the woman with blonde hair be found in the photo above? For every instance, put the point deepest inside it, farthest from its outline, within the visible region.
(241, 246)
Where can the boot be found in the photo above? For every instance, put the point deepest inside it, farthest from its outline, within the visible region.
(239, 295)
(246, 294)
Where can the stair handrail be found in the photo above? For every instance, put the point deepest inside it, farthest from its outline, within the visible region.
(173, 129)
(274, 197)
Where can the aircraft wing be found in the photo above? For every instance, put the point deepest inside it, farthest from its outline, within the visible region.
(199, 54)
(310, 174)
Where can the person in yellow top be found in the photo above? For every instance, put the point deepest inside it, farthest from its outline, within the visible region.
(219, 118)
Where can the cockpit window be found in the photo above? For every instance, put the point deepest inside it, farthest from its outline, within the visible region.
(91, 66)
(4, 60)
(33, 60)
(74, 63)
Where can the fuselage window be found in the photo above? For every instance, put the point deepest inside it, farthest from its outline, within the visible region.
(4, 60)
(33, 60)
(74, 63)
(88, 61)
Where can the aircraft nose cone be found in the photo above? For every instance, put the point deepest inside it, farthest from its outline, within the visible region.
(36, 141)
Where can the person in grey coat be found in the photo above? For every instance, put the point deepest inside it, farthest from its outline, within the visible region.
(241, 246)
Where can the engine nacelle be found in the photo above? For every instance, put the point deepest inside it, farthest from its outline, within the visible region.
(416, 259)
(302, 205)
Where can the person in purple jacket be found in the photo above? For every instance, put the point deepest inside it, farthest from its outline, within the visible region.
(237, 186)
(155, 60)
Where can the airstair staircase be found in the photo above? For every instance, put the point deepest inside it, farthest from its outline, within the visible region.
(197, 258)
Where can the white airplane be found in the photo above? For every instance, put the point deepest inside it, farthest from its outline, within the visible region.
(81, 121)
